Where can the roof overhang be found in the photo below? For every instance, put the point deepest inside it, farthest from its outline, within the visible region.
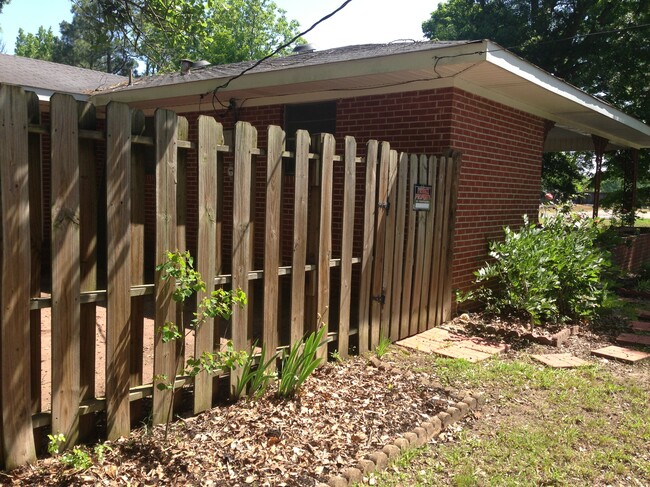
(481, 67)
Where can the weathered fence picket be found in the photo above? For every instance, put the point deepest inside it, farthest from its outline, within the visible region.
(164, 369)
(300, 235)
(403, 279)
(65, 268)
(210, 136)
(347, 234)
(36, 238)
(88, 213)
(118, 297)
(17, 437)
(399, 327)
(326, 153)
(431, 215)
(369, 212)
(275, 148)
(245, 142)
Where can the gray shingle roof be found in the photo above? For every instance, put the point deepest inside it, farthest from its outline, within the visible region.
(38, 74)
(313, 58)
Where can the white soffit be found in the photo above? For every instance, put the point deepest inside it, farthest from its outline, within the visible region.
(510, 80)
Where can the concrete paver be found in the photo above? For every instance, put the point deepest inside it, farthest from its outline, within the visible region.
(633, 339)
(621, 353)
(560, 360)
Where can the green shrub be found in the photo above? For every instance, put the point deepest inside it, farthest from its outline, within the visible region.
(548, 273)
(300, 362)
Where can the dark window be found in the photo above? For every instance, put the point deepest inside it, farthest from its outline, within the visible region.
(316, 118)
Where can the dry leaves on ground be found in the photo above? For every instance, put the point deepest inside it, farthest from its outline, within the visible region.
(344, 411)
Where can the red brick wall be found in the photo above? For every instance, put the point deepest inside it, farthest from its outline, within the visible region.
(633, 252)
(500, 175)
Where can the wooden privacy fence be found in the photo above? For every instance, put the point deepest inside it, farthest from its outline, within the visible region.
(399, 274)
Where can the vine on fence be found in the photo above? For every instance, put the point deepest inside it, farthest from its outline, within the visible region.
(218, 303)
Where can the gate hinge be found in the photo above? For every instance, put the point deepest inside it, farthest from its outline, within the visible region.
(380, 299)
(385, 205)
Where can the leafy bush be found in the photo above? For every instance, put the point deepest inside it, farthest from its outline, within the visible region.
(300, 362)
(548, 273)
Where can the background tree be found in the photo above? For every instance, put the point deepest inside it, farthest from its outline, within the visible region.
(563, 174)
(113, 35)
(162, 32)
(41, 45)
(599, 45)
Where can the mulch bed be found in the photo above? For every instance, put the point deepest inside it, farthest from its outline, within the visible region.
(344, 411)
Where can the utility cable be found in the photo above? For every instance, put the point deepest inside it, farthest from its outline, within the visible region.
(277, 50)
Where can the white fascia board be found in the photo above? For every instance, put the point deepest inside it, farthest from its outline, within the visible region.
(498, 56)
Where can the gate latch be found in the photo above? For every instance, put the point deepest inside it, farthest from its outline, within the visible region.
(385, 205)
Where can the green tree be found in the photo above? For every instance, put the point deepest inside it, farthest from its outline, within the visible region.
(563, 173)
(162, 32)
(93, 40)
(41, 45)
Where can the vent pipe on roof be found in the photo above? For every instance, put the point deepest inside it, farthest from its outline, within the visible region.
(301, 48)
(186, 64)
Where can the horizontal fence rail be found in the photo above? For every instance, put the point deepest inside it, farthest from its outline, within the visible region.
(90, 203)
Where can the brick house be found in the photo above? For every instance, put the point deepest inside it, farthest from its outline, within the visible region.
(498, 110)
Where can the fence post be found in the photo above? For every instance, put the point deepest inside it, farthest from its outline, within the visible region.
(210, 136)
(166, 134)
(17, 435)
(369, 211)
(347, 236)
(118, 306)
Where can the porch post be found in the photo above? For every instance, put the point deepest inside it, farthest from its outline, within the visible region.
(599, 145)
(630, 168)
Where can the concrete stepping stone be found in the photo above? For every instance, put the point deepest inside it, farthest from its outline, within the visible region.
(484, 346)
(459, 351)
(447, 344)
(621, 353)
(560, 360)
(640, 325)
(633, 339)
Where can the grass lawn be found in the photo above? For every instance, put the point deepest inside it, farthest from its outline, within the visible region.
(582, 427)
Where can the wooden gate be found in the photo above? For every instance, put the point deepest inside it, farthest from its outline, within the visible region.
(413, 243)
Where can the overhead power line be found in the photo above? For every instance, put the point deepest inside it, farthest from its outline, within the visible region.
(277, 50)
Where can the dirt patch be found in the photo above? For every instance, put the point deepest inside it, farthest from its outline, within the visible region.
(100, 353)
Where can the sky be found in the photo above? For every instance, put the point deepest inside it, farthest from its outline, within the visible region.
(360, 22)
